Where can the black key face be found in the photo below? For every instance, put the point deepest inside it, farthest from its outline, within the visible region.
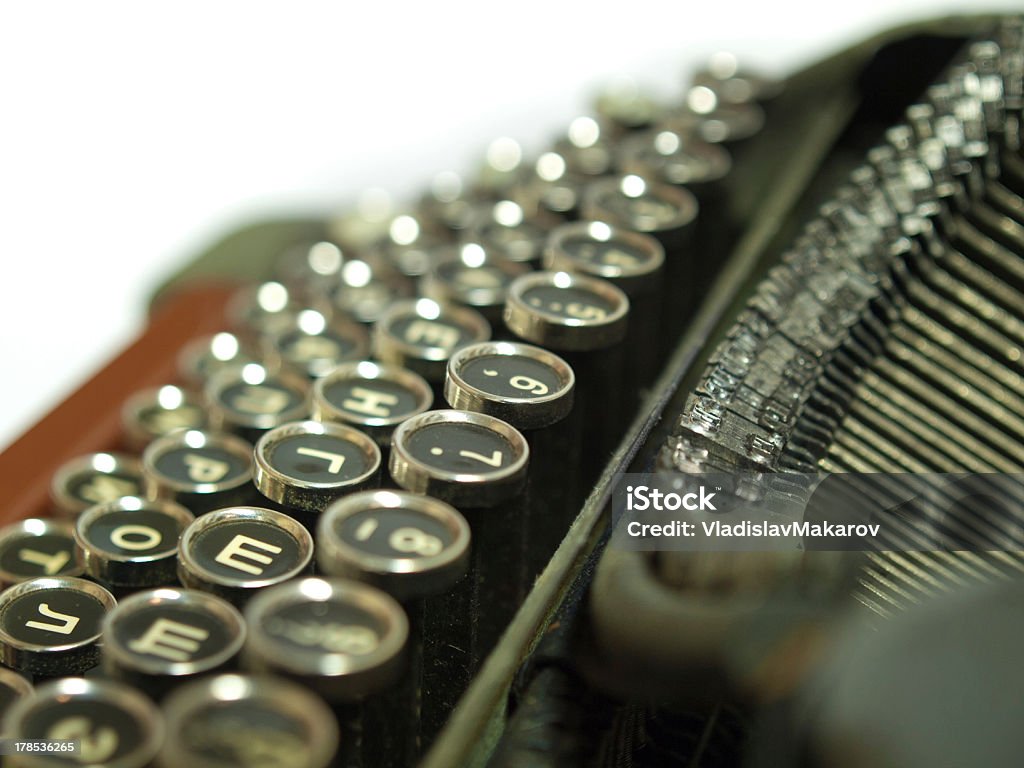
(54, 616)
(343, 638)
(414, 260)
(640, 205)
(310, 264)
(473, 280)
(370, 396)
(209, 365)
(369, 399)
(105, 730)
(207, 357)
(616, 253)
(421, 335)
(466, 458)
(99, 487)
(431, 334)
(157, 420)
(331, 626)
(565, 311)
(305, 465)
(248, 721)
(365, 302)
(318, 353)
(367, 288)
(314, 458)
(677, 158)
(726, 122)
(524, 386)
(683, 164)
(460, 448)
(466, 279)
(395, 532)
(24, 555)
(168, 633)
(246, 733)
(407, 544)
(267, 399)
(129, 534)
(205, 465)
(630, 260)
(242, 550)
(265, 308)
(644, 208)
(511, 376)
(570, 303)
(521, 243)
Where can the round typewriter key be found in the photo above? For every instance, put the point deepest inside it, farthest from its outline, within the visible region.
(502, 167)
(447, 201)
(584, 148)
(410, 245)
(566, 311)
(505, 230)
(472, 278)
(533, 390)
(460, 457)
(629, 260)
(262, 309)
(726, 77)
(626, 259)
(239, 721)
(254, 399)
(554, 190)
(234, 552)
(664, 212)
(199, 470)
(310, 267)
(421, 335)
(153, 413)
(37, 547)
(131, 542)
(161, 636)
(115, 726)
(314, 346)
(585, 319)
(367, 287)
(624, 106)
(51, 626)
(683, 159)
(359, 226)
(94, 479)
(526, 386)
(632, 202)
(13, 686)
(706, 114)
(409, 545)
(209, 356)
(674, 158)
(343, 639)
(308, 464)
(373, 397)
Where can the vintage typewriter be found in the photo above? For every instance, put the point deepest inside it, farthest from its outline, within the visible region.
(350, 499)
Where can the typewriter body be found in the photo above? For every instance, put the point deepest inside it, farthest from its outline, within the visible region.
(353, 496)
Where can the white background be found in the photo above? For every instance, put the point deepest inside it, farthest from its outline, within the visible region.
(132, 134)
